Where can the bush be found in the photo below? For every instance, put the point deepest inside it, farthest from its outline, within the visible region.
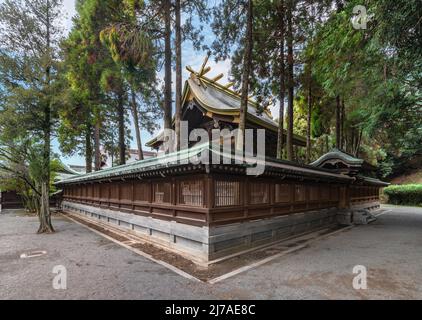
(408, 194)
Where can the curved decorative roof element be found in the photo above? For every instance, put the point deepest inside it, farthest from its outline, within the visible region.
(336, 154)
(342, 162)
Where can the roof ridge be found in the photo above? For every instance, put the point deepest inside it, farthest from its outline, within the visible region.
(200, 75)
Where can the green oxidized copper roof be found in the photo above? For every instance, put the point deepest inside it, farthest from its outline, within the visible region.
(372, 181)
(338, 154)
(183, 157)
(168, 160)
(65, 173)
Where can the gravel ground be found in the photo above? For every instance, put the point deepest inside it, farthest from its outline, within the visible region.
(390, 249)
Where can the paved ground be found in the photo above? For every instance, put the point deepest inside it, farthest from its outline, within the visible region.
(390, 248)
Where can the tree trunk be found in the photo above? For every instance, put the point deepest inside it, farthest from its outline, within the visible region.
(327, 145)
(136, 122)
(178, 74)
(44, 213)
(321, 152)
(290, 81)
(97, 154)
(352, 140)
(338, 122)
(343, 131)
(282, 88)
(121, 123)
(88, 148)
(247, 60)
(309, 119)
(356, 153)
(167, 65)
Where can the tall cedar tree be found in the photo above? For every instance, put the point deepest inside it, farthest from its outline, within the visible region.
(131, 46)
(282, 86)
(309, 116)
(85, 62)
(79, 90)
(187, 31)
(167, 64)
(247, 61)
(290, 81)
(28, 58)
(178, 45)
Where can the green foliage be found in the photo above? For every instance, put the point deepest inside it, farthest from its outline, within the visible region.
(22, 170)
(29, 37)
(378, 74)
(87, 95)
(108, 53)
(128, 44)
(410, 194)
(229, 25)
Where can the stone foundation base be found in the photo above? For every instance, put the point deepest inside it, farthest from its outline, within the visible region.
(204, 244)
(358, 214)
(232, 238)
(184, 239)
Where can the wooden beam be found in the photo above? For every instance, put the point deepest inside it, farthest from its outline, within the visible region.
(230, 84)
(203, 65)
(216, 78)
(206, 70)
(189, 68)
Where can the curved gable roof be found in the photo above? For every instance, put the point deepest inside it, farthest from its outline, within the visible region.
(219, 99)
(337, 155)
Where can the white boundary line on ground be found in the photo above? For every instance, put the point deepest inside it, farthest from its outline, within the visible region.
(141, 253)
(224, 276)
(278, 255)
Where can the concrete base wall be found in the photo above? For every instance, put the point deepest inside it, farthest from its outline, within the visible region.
(184, 239)
(203, 244)
(354, 214)
(229, 239)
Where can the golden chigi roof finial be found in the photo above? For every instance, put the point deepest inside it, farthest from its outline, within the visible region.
(200, 76)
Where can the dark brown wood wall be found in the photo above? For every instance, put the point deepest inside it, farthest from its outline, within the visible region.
(10, 200)
(363, 194)
(170, 198)
(266, 197)
(217, 199)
